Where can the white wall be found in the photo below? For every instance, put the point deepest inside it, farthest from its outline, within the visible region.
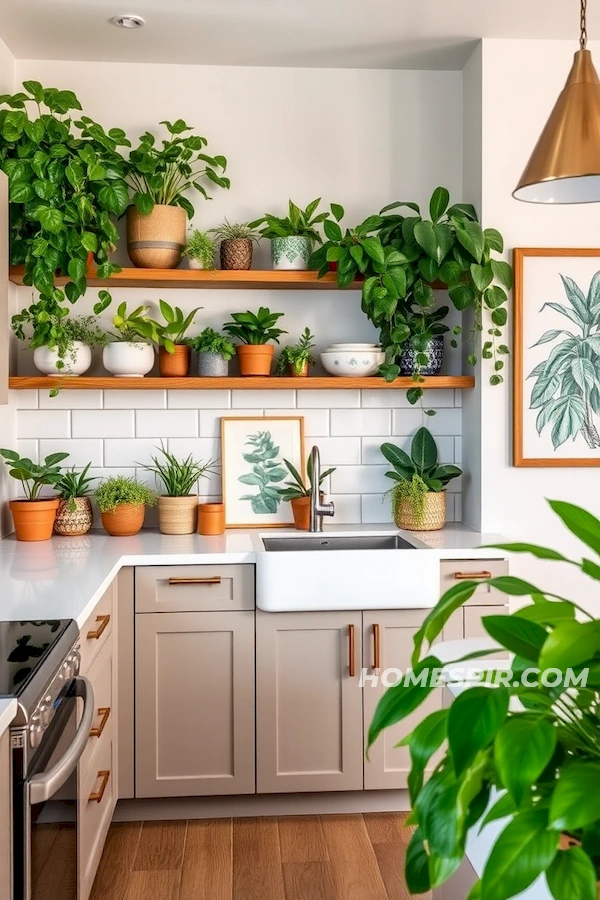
(521, 81)
(362, 138)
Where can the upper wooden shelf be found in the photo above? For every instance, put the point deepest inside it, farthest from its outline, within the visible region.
(209, 278)
(84, 383)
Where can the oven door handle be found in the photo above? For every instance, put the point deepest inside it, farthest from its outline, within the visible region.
(45, 785)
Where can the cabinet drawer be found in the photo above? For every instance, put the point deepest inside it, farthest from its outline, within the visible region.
(452, 571)
(96, 806)
(101, 677)
(193, 588)
(96, 631)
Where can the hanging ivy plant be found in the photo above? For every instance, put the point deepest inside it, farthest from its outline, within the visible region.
(66, 185)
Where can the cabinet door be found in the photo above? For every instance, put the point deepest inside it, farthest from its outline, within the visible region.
(388, 643)
(309, 703)
(194, 704)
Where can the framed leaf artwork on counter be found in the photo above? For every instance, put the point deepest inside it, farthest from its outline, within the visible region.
(253, 449)
(556, 386)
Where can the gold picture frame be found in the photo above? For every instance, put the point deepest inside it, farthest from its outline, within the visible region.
(556, 406)
(269, 439)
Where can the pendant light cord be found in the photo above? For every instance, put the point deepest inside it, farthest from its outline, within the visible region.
(583, 25)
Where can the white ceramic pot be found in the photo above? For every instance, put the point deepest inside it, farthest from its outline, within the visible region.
(290, 252)
(77, 360)
(128, 359)
(194, 263)
(352, 363)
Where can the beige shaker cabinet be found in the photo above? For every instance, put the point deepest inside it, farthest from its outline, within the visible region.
(194, 703)
(309, 703)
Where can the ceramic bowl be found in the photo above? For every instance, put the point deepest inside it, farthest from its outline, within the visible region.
(352, 363)
(353, 347)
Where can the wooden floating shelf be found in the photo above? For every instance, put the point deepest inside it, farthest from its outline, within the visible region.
(213, 279)
(83, 383)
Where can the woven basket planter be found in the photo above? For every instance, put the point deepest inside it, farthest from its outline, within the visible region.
(174, 365)
(157, 240)
(177, 515)
(236, 253)
(433, 518)
(76, 521)
(124, 520)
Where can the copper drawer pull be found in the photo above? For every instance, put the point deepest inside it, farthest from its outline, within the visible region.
(215, 579)
(465, 576)
(94, 635)
(104, 712)
(376, 648)
(351, 650)
(98, 795)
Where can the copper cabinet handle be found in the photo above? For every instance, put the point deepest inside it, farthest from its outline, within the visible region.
(214, 579)
(94, 635)
(104, 712)
(351, 648)
(376, 648)
(98, 795)
(465, 576)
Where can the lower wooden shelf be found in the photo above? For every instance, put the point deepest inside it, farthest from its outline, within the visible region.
(83, 383)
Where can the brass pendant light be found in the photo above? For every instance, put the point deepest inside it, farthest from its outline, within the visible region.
(565, 164)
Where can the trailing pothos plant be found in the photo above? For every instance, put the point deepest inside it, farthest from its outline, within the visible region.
(66, 184)
(403, 257)
(523, 748)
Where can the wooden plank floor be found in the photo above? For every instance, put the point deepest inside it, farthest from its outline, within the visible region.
(351, 857)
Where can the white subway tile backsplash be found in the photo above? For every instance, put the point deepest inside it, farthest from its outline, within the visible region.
(438, 398)
(135, 399)
(260, 399)
(210, 419)
(202, 449)
(360, 479)
(371, 450)
(43, 423)
(327, 399)
(458, 451)
(72, 400)
(407, 421)
(337, 451)
(27, 399)
(28, 448)
(458, 507)
(458, 397)
(376, 509)
(81, 452)
(386, 399)
(129, 452)
(198, 399)
(166, 423)
(110, 423)
(316, 421)
(356, 422)
(347, 509)
(447, 421)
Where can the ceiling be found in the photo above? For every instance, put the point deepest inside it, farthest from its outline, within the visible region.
(436, 34)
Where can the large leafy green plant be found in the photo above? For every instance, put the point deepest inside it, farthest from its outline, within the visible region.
(403, 257)
(66, 182)
(536, 742)
(566, 390)
(164, 174)
(34, 476)
(298, 222)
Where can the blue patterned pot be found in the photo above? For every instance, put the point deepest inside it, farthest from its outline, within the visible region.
(291, 252)
(435, 358)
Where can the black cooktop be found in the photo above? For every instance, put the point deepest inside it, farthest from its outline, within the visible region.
(25, 651)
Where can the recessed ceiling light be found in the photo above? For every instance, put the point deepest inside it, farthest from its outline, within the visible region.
(128, 21)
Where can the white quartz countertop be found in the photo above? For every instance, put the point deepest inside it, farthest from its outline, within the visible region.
(65, 577)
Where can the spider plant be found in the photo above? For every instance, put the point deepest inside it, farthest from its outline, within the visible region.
(74, 484)
(178, 476)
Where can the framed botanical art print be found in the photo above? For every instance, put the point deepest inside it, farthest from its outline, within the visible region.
(556, 358)
(253, 449)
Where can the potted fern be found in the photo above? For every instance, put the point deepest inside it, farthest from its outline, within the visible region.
(236, 243)
(214, 352)
(255, 330)
(122, 502)
(419, 493)
(177, 505)
(296, 359)
(173, 348)
(293, 236)
(131, 353)
(299, 495)
(74, 515)
(200, 250)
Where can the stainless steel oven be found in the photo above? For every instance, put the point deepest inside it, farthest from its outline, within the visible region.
(48, 738)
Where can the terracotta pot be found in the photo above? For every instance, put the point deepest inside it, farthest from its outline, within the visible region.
(34, 519)
(124, 520)
(236, 253)
(303, 373)
(177, 515)
(156, 240)
(76, 521)
(174, 365)
(255, 359)
(301, 511)
(211, 518)
(432, 519)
